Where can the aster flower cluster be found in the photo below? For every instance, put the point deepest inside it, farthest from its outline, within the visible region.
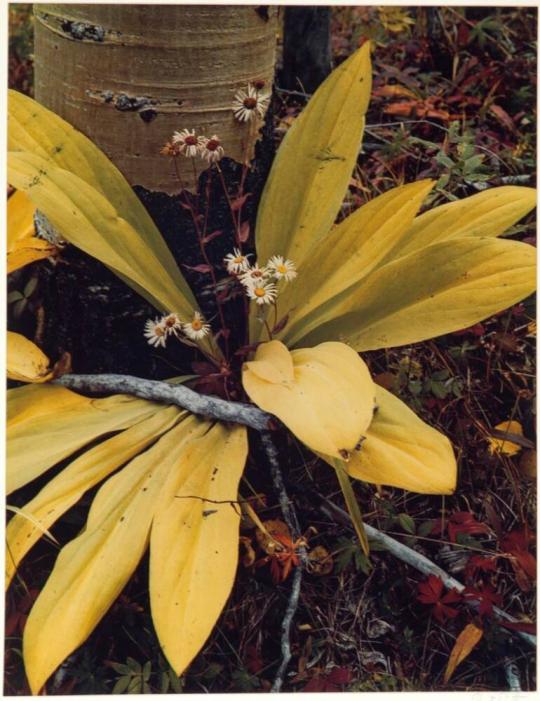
(259, 282)
(189, 144)
(157, 331)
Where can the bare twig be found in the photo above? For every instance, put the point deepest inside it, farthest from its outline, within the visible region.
(418, 561)
(289, 515)
(153, 390)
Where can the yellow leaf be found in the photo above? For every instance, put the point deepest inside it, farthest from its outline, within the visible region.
(53, 432)
(25, 361)
(35, 129)
(400, 450)
(329, 403)
(92, 569)
(487, 213)
(20, 218)
(31, 401)
(194, 543)
(352, 250)
(312, 168)
(84, 217)
(28, 250)
(440, 289)
(466, 641)
(505, 445)
(65, 490)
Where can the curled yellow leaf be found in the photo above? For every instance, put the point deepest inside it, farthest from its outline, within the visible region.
(25, 361)
(324, 395)
(505, 445)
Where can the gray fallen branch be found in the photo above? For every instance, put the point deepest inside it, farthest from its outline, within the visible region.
(179, 395)
(291, 519)
(419, 562)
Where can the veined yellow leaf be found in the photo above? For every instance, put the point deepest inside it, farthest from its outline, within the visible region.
(35, 129)
(29, 402)
(20, 218)
(488, 213)
(86, 218)
(329, 403)
(194, 543)
(25, 361)
(65, 490)
(352, 250)
(41, 440)
(400, 450)
(311, 171)
(442, 288)
(92, 569)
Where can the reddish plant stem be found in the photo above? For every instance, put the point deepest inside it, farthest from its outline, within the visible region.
(205, 257)
(235, 221)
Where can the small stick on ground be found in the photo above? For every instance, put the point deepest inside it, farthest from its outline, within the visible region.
(290, 518)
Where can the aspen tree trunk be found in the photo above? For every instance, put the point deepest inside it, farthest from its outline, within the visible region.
(128, 76)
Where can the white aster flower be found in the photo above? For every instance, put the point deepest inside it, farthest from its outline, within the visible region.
(211, 149)
(236, 262)
(253, 274)
(196, 328)
(187, 142)
(250, 103)
(263, 292)
(281, 268)
(156, 332)
(172, 324)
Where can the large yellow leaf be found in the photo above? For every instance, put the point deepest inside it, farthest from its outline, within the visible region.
(353, 249)
(400, 450)
(46, 437)
(311, 171)
(65, 490)
(487, 213)
(84, 217)
(25, 361)
(29, 402)
(442, 288)
(35, 129)
(327, 401)
(194, 543)
(20, 218)
(92, 569)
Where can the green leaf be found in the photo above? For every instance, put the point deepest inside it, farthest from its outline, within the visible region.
(407, 523)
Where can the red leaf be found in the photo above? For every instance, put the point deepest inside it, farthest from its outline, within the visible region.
(518, 625)
(202, 268)
(212, 236)
(239, 202)
(486, 595)
(243, 234)
(340, 675)
(431, 593)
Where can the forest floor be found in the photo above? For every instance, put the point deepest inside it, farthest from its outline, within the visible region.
(453, 100)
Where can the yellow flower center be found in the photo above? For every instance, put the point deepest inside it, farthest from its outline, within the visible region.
(282, 269)
(259, 291)
(159, 331)
(196, 325)
(239, 259)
